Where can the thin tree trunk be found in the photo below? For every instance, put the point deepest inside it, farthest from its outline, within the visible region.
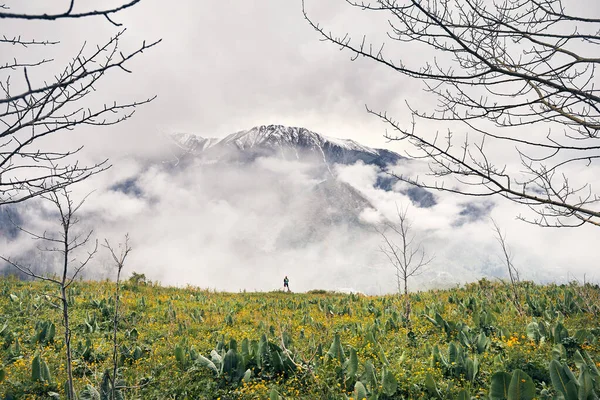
(399, 281)
(70, 389)
(63, 292)
(115, 329)
(406, 301)
(120, 261)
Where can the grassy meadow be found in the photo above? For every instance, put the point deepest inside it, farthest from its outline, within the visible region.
(188, 343)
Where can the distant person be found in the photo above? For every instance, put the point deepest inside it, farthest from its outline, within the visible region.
(286, 283)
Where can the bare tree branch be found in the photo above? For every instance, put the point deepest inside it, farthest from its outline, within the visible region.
(513, 272)
(70, 14)
(408, 258)
(33, 108)
(119, 262)
(497, 68)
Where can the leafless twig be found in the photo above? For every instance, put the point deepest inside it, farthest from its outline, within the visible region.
(408, 257)
(519, 74)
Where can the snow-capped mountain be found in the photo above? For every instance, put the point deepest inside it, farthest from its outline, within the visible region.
(193, 143)
(292, 143)
(285, 142)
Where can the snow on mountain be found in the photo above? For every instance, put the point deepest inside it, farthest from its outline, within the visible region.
(294, 143)
(285, 142)
(193, 143)
(279, 135)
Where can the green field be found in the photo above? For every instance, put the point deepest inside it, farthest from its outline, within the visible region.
(188, 343)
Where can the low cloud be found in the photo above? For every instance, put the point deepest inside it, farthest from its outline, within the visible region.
(244, 226)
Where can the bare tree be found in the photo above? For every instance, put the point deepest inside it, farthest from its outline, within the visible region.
(520, 74)
(66, 243)
(33, 108)
(119, 263)
(513, 272)
(406, 256)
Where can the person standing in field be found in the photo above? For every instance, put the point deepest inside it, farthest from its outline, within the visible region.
(286, 283)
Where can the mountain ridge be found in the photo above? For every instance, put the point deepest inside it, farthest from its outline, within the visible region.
(295, 143)
(286, 142)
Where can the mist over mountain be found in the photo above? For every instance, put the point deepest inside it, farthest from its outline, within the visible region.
(297, 144)
(326, 203)
(242, 211)
(9, 220)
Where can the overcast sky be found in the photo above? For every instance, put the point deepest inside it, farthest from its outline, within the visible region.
(225, 66)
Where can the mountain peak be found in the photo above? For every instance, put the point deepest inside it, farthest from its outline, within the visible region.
(273, 135)
(191, 142)
(285, 142)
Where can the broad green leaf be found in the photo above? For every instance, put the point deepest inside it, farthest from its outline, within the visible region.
(586, 386)
(463, 395)
(205, 362)
(46, 377)
(137, 353)
(482, 342)
(388, 382)
(543, 330)
(533, 331)
(558, 376)
(563, 380)
(216, 358)
(352, 367)
(569, 373)
(245, 347)
(105, 386)
(89, 393)
(180, 355)
(472, 368)
(277, 361)
(578, 360)
(452, 353)
(433, 321)
(559, 352)
(500, 385)
(230, 362)
(382, 356)
(402, 357)
(51, 332)
(521, 386)
(336, 350)
(369, 375)
(440, 320)
(560, 333)
(572, 391)
(264, 354)
(360, 392)
(581, 336)
(431, 386)
(591, 364)
(247, 375)
(36, 368)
